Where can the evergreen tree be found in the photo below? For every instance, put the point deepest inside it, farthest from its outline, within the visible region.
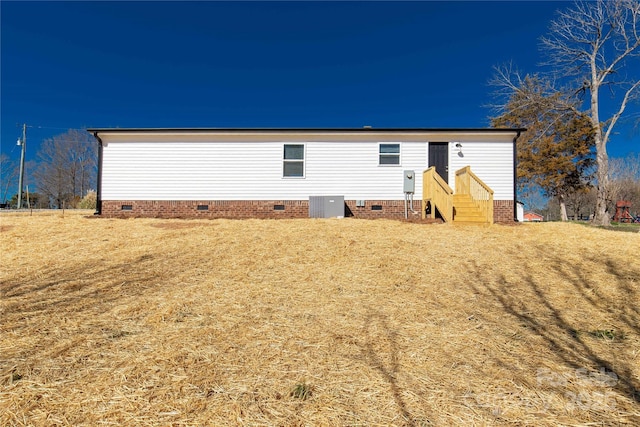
(556, 153)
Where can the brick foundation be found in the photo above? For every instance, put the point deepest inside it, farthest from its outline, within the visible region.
(392, 209)
(214, 209)
(238, 209)
(503, 211)
(247, 209)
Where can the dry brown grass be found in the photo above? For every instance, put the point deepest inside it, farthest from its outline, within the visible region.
(316, 322)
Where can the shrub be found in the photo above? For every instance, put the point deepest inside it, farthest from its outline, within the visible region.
(88, 201)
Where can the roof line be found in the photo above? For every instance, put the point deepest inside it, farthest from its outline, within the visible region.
(273, 130)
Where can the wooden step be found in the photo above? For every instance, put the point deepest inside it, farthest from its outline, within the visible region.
(463, 202)
(469, 219)
(468, 216)
(475, 223)
(465, 206)
(467, 212)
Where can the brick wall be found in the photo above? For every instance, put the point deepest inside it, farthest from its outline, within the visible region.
(393, 209)
(208, 209)
(247, 209)
(503, 211)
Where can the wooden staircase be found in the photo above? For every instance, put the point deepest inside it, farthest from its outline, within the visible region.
(472, 202)
(466, 211)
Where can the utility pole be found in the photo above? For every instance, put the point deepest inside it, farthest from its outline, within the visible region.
(22, 142)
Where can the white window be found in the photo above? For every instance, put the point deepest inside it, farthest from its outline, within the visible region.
(293, 161)
(389, 154)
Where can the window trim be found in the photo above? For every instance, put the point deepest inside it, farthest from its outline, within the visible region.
(303, 160)
(399, 154)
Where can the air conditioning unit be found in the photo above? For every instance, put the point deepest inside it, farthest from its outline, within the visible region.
(326, 206)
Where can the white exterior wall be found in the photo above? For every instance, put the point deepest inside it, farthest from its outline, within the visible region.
(187, 166)
(252, 171)
(491, 162)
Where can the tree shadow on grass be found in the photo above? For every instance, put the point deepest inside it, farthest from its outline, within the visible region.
(85, 279)
(380, 350)
(34, 301)
(532, 305)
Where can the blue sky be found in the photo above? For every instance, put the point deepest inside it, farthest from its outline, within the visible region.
(261, 64)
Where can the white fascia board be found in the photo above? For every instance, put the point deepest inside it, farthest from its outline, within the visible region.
(285, 136)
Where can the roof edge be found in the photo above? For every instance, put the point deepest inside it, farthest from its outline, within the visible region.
(303, 130)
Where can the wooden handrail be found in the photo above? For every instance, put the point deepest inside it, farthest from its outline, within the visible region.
(468, 183)
(438, 192)
(467, 170)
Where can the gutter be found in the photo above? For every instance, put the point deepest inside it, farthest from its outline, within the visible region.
(515, 175)
(99, 180)
(304, 130)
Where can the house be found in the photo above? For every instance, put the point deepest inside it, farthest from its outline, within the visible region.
(276, 173)
(531, 216)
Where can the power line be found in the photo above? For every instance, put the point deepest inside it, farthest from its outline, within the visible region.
(44, 127)
(57, 142)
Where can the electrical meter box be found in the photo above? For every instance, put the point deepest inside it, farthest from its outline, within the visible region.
(326, 206)
(409, 181)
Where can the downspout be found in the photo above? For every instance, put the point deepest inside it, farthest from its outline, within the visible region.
(515, 177)
(99, 180)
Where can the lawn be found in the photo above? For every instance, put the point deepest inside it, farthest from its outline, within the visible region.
(345, 322)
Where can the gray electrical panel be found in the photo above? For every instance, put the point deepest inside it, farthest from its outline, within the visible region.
(409, 181)
(326, 206)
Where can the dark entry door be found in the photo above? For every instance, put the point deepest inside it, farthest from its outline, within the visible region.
(439, 157)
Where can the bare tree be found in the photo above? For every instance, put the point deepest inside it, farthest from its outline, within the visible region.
(8, 174)
(624, 180)
(595, 42)
(66, 167)
(582, 203)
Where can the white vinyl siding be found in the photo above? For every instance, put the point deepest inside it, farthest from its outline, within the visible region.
(192, 166)
(251, 171)
(491, 162)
